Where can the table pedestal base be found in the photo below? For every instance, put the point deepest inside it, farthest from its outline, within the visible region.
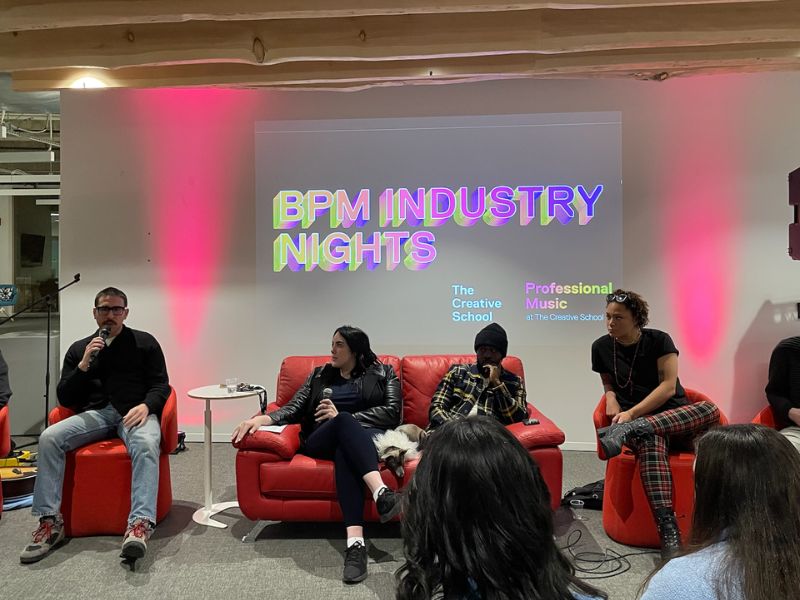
(203, 515)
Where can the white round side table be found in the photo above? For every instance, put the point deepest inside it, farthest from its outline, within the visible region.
(211, 393)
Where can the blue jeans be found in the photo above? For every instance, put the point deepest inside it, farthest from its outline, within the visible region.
(143, 444)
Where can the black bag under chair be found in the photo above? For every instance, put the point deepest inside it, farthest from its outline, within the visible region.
(591, 494)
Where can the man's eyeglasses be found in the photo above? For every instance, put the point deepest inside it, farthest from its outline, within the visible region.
(115, 310)
(621, 298)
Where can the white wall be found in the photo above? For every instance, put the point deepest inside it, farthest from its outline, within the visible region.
(705, 161)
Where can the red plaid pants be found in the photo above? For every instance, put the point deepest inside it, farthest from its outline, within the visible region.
(677, 425)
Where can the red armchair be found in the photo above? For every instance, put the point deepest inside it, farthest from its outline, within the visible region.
(627, 518)
(5, 442)
(766, 417)
(97, 480)
(275, 483)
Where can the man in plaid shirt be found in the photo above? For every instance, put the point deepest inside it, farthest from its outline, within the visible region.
(482, 388)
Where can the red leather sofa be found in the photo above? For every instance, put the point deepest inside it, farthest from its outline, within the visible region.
(97, 480)
(275, 483)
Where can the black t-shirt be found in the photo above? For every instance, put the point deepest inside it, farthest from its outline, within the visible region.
(346, 394)
(652, 345)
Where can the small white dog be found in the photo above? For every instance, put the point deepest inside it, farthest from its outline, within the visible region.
(395, 446)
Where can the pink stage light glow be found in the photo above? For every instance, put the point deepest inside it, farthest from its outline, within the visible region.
(190, 146)
(700, 216)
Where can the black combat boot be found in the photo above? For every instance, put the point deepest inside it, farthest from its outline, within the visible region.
(613, 437)
(668, 532)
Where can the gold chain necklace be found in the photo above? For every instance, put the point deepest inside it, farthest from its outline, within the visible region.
(630, 371)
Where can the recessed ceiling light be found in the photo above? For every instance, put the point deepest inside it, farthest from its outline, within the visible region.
(84, 83)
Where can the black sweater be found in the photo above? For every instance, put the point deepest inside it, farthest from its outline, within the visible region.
(128, 372)
(5, 388)
(783, 388)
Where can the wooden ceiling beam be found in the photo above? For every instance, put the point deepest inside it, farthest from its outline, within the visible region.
(654, 63)
(401, 37)
(655, 76)
(27, 15)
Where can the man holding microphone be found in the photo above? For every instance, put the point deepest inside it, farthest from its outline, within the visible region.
(116, 382)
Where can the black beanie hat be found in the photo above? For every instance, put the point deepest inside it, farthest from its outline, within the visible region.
(492, 335)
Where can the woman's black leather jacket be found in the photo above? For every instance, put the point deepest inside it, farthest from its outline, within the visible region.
(380, 389)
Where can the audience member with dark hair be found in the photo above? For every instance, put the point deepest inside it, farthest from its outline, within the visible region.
(477, 522)
(365, 401)
(646, 403)
(745, 541)
(783, 388)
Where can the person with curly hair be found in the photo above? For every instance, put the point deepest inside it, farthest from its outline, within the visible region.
(745, 540)
(477, 522)
(646, 403)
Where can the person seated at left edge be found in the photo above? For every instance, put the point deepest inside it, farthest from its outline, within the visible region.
(5, 387)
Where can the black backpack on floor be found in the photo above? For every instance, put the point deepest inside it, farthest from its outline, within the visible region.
(591, 494)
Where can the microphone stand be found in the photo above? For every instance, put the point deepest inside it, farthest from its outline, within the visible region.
(48, 300)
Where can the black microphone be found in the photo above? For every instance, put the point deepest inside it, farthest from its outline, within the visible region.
(327, 393)
(104, 333)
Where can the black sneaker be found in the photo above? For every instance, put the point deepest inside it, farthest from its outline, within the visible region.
(355, 563)
(388, 504)
(47, 537)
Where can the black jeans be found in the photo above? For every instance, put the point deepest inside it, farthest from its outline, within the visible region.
(350, 446)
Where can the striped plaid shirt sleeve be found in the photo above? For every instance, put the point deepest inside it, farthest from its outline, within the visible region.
(461, 388)
(508, 400)
(443, 406)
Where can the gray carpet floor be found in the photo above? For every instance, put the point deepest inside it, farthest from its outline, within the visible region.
(286, 561)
